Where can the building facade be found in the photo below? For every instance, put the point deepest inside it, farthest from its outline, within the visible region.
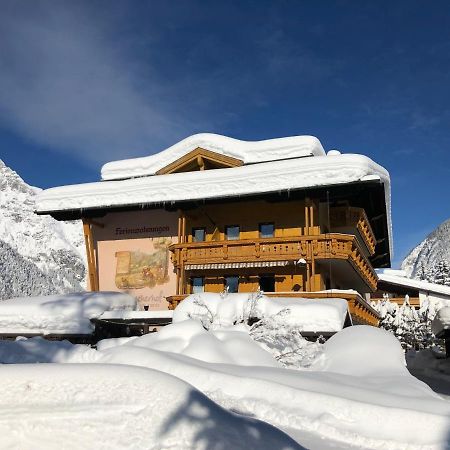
(212, 213)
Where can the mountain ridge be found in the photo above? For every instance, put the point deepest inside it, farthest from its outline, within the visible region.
(430, 259)
(46, 255)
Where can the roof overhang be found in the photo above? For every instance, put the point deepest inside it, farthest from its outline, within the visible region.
(344, 175)
(388, 278)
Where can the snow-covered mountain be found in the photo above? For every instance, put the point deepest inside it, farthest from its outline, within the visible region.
(430, 260)
(38, 255)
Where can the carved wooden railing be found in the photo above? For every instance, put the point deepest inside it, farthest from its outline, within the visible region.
(360, 310)
(324, 246)
(354, 217)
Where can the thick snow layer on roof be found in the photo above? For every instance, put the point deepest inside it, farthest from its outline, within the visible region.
(125, 315)
(441, 321)
(219, 183)
(399, 278)
(312, 315)
(247, 151)
(60, 314)
(79, 406)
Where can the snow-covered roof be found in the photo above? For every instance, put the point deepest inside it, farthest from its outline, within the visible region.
(270, 166)
(399, 278)
(126, 315)
(249, 152)
(306, 314)
(61, 313)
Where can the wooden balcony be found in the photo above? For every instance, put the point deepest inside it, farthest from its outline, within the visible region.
(350, 217)
(280, 251)
(362, 312)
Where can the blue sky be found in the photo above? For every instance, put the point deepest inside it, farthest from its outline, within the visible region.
(83, 83)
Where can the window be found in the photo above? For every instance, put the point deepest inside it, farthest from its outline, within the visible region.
(232, 283)
(198, 234)
(267, 283)
(198, 285)
(266, 230)
(232, 232)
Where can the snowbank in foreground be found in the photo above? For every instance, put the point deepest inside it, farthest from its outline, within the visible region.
(72, 406)
(225, 346)
(357, 393)
(60, 314)
(353, 351)
(382, 406)
(306, 314)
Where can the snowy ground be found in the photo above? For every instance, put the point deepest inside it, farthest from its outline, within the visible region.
(223, 387)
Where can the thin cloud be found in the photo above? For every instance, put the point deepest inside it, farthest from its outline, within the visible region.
(66, 83)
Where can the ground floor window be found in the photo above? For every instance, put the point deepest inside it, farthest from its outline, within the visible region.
(267, 283)
(198, 285)
(232, 283)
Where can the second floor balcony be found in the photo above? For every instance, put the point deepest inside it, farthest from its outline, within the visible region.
(266, 252)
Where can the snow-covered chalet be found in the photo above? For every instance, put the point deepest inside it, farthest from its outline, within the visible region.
(212, 213)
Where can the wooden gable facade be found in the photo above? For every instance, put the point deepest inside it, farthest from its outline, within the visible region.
(200, 159)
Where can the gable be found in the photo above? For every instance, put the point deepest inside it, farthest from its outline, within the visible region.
(200, 159)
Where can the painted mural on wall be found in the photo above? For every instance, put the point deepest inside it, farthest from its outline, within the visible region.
(134, 257)
(138, 269)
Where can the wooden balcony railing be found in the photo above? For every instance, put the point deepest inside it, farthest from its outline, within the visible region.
(354, 217)
(324, 246)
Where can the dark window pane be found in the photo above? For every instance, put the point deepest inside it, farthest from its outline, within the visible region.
(232, 284)
(266, 230)
(232, 232)
(267, 283)
(198, 234)
(197, 285)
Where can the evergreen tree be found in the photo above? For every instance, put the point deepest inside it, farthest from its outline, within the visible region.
(411, 327)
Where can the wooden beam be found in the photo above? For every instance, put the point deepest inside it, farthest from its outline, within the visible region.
(90, 254)
(217, 159)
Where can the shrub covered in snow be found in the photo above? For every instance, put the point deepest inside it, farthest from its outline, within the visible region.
(285, 341)
(412, 327)
(275, 324)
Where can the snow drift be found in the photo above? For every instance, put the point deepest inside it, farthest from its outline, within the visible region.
(102, 406)
(352, 395)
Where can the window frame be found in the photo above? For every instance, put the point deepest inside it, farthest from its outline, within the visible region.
(198, 228)
(267, 275)
(194, 286)
(225, 283)
(260, 232)
(232, 226)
